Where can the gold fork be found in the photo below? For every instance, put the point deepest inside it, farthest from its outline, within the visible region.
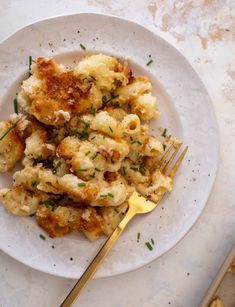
(137, 205)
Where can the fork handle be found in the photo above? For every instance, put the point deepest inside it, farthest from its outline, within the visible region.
(92, 268)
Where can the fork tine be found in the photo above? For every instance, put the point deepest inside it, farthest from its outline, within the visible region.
(177, 163)
(167, 165)
(166, 154)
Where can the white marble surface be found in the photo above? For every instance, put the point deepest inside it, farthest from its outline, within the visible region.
(204, 31)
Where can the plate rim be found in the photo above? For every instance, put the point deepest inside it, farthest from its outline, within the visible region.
(215, 126)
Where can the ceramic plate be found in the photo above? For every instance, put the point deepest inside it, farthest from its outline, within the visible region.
(186, 112)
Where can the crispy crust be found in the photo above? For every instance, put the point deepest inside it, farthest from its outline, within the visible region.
(60, 95)
(65, 219)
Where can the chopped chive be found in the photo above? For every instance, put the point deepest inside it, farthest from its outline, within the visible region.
(138, 236)
(87, 153)
(107, 195)
(110, 129)
(142, 169)
(134, 168)
(164, 147)
(83, 133)
(82, 46)
(104, 136)
(97, 169)
(16, 106)
(124, 171)
(149, 62)
(110, 195)
(30, 63)
(93, 138)
(34, 184)
(136, 142)
(152, 241)
(149, 246)
(31, 193)
(81, 170)
(91, 80)
(50, 203)
(9, 130)
(109, 100)
(164, 132)
(93, 110)
(55, 167)
(42, 237)
(95, 155)
(92, 176)
(81, 184)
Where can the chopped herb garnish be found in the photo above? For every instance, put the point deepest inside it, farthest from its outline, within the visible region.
(138, 236)
(30, 63)
(97, 169)
(136, 142)
(9, 130)
(31, 193)
(81, 170)
(92, 176)
(124, 171)
(34, 184)
(164, 147)
(83, 133)
(103, 195)
(149, 246)
(50, 203)
(93, 110)
(47, 163)
(164, 132)
(142, 169)
(152, 241)
(149, 62)
(107, 100)
(136, 169)
(32, 215)
(15, 106)
(93, 138)
(55, 167)
(81, 184)
(89, 79)
(107, 195)
(93, 78)
(110, 129)
(104, 99)
(87, 153)
(42, 237)
(82, 46)
(95, 155)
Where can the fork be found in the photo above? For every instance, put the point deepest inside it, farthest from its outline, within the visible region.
(137, 205)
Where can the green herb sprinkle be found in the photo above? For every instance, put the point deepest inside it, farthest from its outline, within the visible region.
(149, 246)
(42, 237)
(82, 47)
(149, 62)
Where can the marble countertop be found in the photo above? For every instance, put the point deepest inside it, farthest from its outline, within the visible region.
(204, 31)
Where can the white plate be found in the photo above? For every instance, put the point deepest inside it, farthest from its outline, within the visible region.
(186, 111)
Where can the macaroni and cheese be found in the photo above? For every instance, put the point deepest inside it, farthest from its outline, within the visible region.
(83, 141)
